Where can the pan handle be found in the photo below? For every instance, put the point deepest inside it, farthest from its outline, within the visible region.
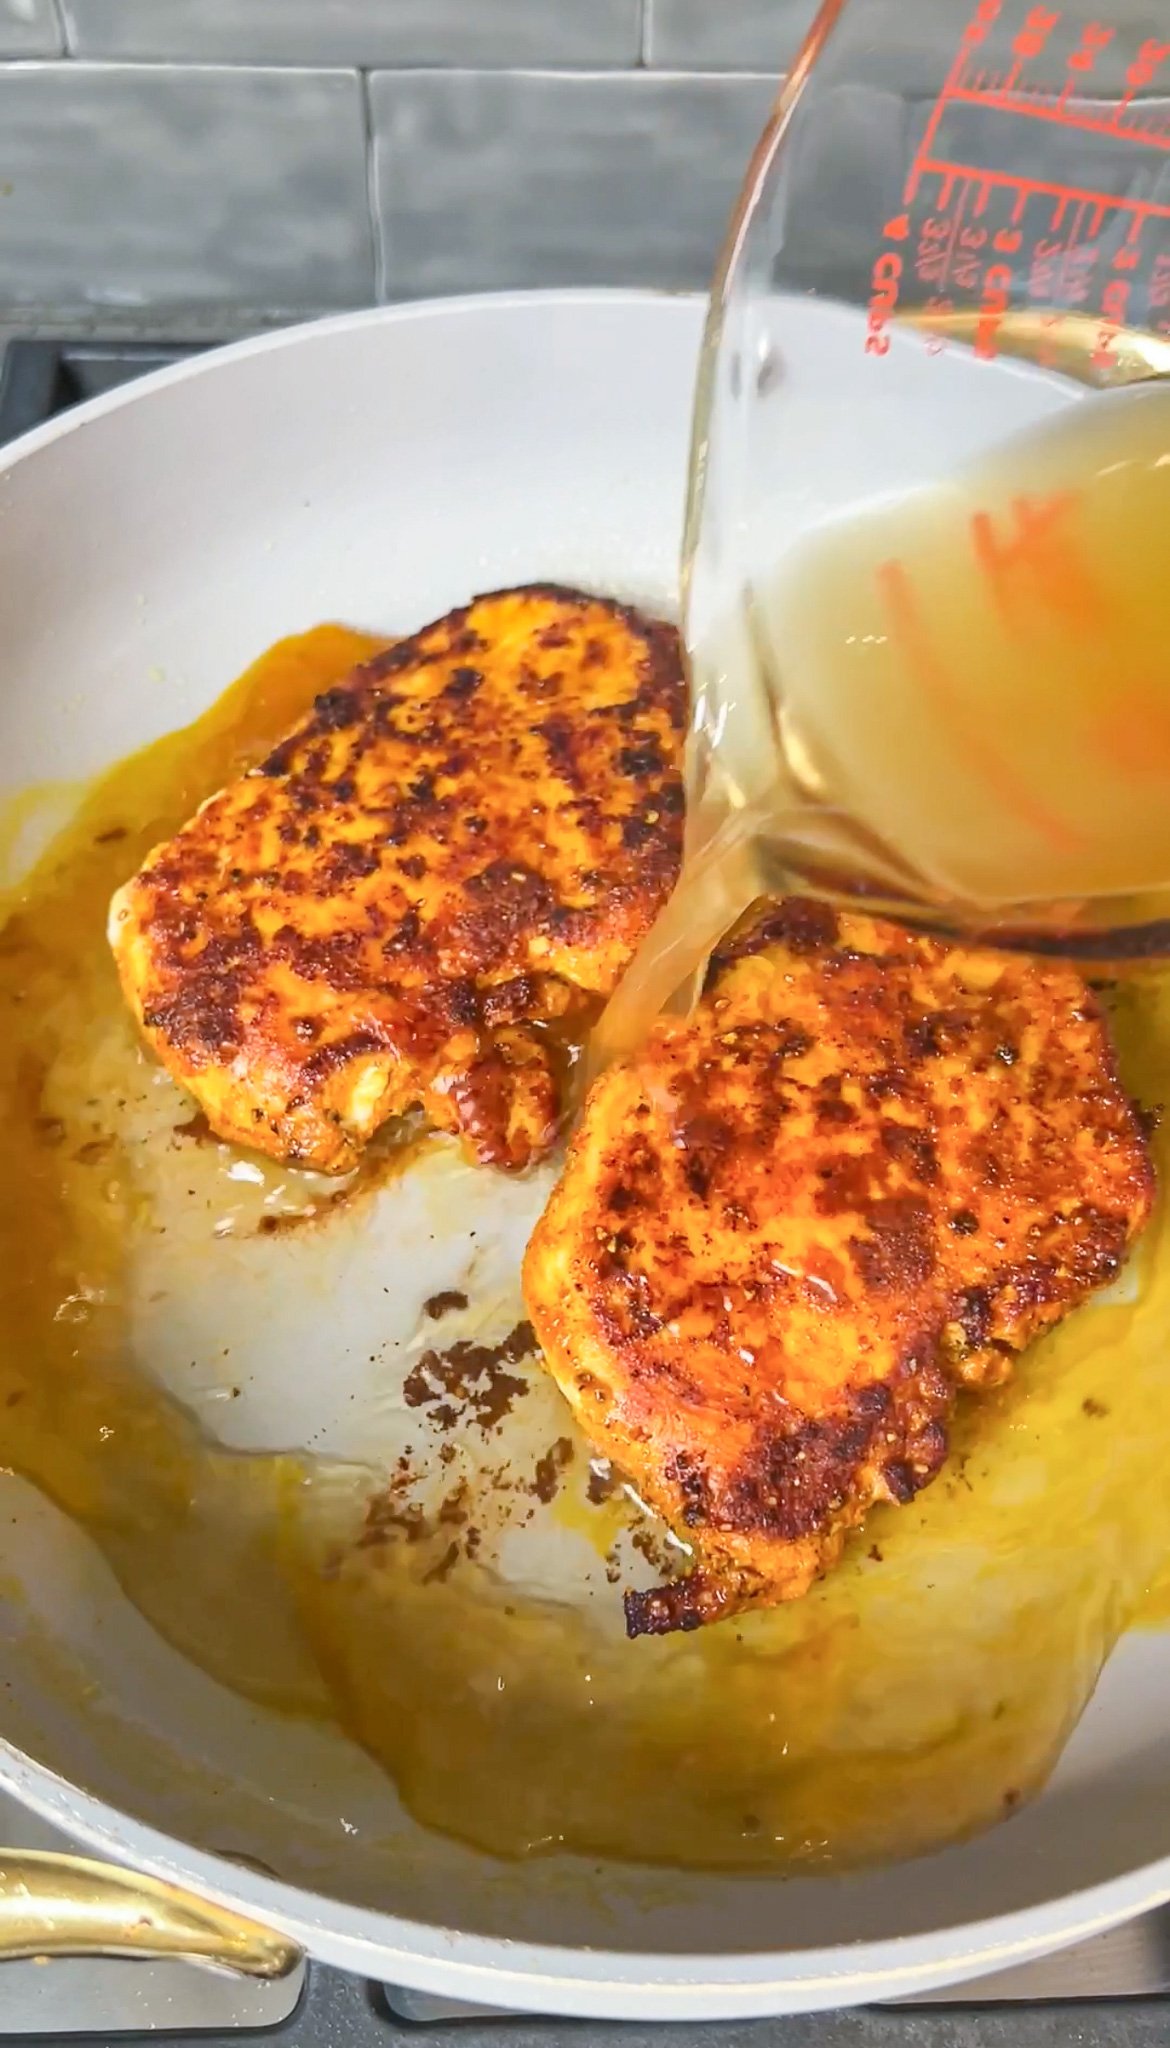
(57, 1905)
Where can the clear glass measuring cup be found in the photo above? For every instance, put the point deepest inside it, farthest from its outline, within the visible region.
(927, 576)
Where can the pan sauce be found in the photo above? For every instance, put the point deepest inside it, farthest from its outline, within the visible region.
(920, 1692)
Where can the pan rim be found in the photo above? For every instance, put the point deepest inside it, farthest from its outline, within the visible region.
(602, 1983)
(534, 1976)
(273, 341)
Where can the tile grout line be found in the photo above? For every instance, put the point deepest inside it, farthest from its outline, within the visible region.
(62, 20)
(372, 208)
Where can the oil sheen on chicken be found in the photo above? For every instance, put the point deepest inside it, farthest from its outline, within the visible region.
(866, 1172)
(460, 846)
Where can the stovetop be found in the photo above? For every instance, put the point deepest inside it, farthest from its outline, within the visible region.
(41, 378)
(1112, 1992)
(1108, 1993)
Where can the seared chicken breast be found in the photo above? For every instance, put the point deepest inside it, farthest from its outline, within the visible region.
(460, 846)
(866, 1172)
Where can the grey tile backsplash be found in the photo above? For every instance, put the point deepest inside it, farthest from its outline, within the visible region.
(744, 35)
(496, 179)
(361, 32)
(30, 28)
(224, 161)
(123, 186)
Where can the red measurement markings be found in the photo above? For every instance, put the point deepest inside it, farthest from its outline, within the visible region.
(937, 238)
(995, 301)
(1046, 256)
(931, 256)
(1058, 114)
(1114, 310)
(1026, 188)
(1078, 262)
(986, 14)
(1032, 39)
(1030, 102)
(885, 284)
(1142, 72)
(1096, 36)
(962, 720)
(1032, 553)
(969, 258)
(1096, 221)
(957, 258)
(952, 245)
(1160, 280)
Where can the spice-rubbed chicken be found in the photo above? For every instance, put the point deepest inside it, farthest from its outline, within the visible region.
(866, 1172)
(460, 844)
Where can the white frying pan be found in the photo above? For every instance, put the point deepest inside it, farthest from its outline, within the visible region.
(377, 469)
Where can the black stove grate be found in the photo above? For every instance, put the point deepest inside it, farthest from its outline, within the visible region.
(39, 379)
(344, 2012)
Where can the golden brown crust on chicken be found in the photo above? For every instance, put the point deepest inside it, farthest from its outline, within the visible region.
(462, 842)
(866, 1173)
